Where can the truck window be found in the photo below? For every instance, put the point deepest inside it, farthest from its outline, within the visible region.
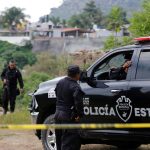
(115, 61)
(143, 69)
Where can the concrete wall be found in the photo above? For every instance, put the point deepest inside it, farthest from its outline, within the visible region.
(68, 44)
(14, 39)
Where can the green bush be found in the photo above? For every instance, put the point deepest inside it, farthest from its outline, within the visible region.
(47, 67)
(114, 42)
(22, 54)
(139, 22)
(31, 83)
(110, 43)
(51, 64)
(127, 40)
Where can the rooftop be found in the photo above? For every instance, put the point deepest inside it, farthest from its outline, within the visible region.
(75, 29)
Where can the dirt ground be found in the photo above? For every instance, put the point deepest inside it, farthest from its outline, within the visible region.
(26, 140)
(21, 140)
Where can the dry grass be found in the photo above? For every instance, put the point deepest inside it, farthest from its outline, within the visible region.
(20, 116)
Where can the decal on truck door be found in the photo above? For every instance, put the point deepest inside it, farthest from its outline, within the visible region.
(51, 93)
(124, 108)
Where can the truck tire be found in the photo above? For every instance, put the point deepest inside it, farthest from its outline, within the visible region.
(48, 136)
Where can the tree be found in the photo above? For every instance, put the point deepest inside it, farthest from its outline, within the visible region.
(55, 21)
(22, 54)
(20, 58)
(91, 15)
(111, 43)
(44, 18)
(64, 23)
(13, 16)
(116, 19)
(75, 21)
(140, 22)
(79, 21)
(1, 26)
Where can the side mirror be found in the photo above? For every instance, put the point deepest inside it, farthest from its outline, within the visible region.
(83, 76)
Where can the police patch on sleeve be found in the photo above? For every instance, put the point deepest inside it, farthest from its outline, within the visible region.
(51, 93)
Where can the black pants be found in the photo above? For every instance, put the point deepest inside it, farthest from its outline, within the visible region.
(66, 139)
(9, 95)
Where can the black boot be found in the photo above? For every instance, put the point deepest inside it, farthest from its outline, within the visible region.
(4, 111)
(12, 111)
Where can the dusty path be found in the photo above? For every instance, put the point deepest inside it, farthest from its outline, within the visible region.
(19, 140)
(26, 140)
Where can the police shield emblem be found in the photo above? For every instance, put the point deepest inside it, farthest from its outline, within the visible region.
(124, 108)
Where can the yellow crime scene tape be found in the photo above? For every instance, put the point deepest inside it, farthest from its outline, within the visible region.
(74, 126)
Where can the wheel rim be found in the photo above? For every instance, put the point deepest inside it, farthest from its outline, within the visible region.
(51, 139)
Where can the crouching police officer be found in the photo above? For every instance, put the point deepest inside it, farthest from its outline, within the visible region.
(10, 76)
(69, 109)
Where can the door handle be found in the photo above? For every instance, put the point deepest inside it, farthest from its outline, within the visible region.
(115, 91)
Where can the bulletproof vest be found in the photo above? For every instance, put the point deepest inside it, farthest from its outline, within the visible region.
(65, 100)
(117, 74)
(11, 76)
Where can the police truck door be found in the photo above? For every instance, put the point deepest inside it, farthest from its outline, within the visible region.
(139, 88)
(106, 100)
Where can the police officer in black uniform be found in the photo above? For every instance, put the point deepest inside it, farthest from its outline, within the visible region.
(120, 73)
(10, 76)
(69, 109)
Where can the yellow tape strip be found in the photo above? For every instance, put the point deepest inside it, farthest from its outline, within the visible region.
(74, 126)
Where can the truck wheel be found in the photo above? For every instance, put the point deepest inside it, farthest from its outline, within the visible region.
(128, 146)
(48, 136)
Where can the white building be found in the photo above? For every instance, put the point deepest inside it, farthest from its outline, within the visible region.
(40, 26)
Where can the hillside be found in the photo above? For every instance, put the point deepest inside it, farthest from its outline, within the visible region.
(71, 7)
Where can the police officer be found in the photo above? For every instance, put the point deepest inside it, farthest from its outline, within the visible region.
(69, 109)
(10, 76)
(120, 73)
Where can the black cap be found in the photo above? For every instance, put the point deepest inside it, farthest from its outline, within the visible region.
(73, 70)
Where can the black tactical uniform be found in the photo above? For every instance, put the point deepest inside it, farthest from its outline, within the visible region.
(117, 74)
(10, 88)
(120, 73)
(69, 105)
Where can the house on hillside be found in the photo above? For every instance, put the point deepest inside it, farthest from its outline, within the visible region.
(70, 32)
(102, 32)
(59, 32)
(39, 29)
(40, 26)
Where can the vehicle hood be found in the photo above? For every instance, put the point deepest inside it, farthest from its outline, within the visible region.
(49, 86)
(44, 87)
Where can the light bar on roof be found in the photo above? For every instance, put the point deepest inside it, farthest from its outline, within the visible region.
(142, 39)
